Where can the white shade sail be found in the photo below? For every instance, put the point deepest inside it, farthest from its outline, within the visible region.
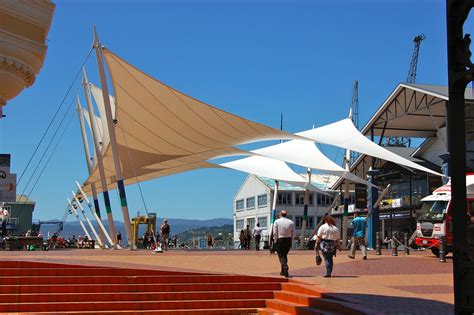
(305, 153)
(344, 134)
(162, 131)
(270, 168)
(99, 100)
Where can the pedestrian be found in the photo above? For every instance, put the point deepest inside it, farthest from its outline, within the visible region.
(257, 234)
(283, 233)
(358, 235)
(119, 238)
(175, 241)
(248, 237)
(328, 241)
(165, 233)
(210, 241)
(242, 239)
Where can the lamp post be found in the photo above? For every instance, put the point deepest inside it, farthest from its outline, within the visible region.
(373, 213)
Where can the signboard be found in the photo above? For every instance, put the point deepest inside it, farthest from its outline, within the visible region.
(360, 196)
(4, 177)
(5, 160)
(8, 189)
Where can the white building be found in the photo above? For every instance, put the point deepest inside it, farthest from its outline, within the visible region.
(253, 203)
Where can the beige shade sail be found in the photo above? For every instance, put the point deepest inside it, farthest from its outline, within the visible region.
(162, 131)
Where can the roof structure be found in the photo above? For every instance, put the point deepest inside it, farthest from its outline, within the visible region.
(412, 110)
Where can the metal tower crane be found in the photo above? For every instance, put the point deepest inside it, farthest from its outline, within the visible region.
(414, 59)
(355, 114)
(405, 141)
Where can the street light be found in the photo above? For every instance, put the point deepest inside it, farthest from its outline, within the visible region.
(373, 213)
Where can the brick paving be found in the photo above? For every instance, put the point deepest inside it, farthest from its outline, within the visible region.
(415, 284)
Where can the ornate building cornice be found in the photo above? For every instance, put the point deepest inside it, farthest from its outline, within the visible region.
(18, 69)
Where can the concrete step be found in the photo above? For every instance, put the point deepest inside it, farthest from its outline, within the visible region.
(292, 308)
(317, 302)
(121, 288)
(131, 305)
(217, 311)
(148, 279)
(133, 296)
(271, 311)
(54, 272)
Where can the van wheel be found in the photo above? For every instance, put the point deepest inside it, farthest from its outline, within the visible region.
(435, 251)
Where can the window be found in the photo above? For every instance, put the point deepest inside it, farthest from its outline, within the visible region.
(324, 200)
(262, 201)
(299, 222)
(263, 222)
(239, 205)
(251, 223)
(284, 199)
(250, 203)
(300, 198)
(239, 225)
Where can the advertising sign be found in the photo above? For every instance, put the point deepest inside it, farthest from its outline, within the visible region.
(360, 196)
(5, 160)
(8, 189)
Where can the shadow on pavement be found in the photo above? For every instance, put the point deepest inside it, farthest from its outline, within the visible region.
(381, 304)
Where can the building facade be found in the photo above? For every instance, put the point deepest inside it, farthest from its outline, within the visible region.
(253, 204)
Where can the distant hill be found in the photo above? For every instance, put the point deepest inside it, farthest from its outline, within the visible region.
(177, 226)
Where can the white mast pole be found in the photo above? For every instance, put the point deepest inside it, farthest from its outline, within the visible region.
(113, 141)
(273, 215)
(305, 211)
(100, 163)
(345, 221)
(78, 219)
(87, 220)
(85, 141)
(99, 221)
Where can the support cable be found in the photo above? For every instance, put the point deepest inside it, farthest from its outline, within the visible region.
(47, 148)
(54, 117)
(50, 156)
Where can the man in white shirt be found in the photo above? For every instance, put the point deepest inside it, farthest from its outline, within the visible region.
(283, 233)
(257, 235)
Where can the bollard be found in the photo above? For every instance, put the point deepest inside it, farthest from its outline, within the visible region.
(442, 249)
(394, 246)
(378, 244)
(407, 249)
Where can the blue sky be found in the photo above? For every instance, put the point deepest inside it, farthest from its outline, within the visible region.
(252, 58)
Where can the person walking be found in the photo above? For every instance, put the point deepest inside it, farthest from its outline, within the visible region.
(248, 237)
(328, 241)
(283, 233)
(165, 233)
(358, 235)
(119, 239)
(242, 240)
(257, 235)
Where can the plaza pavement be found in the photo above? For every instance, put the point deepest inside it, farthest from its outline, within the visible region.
(414, 284)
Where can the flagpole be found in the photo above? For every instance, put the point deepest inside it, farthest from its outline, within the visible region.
(85, 142)
(100, 162)
(79, 219)
(273, 215)
(345, 215)
(113, 140)
(305, 211)
(87, 220)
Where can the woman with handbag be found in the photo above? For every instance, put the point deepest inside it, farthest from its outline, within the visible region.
(328, 242)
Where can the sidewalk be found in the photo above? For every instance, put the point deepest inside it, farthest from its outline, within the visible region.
(418, 283)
